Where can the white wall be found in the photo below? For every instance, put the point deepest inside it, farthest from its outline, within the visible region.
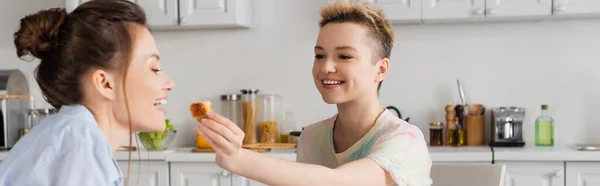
(504, 64)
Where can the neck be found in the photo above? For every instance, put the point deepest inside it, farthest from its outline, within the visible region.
(115, 132)
(357, 117)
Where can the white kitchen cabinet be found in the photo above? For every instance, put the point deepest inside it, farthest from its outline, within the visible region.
(149, 173)
(205, 174)
(399, 11)
(583, 173)
(572, 7)
(241, 181)
(453, 9)
(173, 14)
(518, 8)
(160, 13)
(522, 173)
(215, 13)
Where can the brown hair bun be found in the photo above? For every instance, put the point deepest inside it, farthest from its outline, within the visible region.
(38, 33)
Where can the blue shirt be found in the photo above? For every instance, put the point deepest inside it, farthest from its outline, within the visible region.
(65, 149)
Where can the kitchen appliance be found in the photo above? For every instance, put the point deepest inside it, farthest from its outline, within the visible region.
(35, 115)
(507, 127)
(397, 112)
(14, 101)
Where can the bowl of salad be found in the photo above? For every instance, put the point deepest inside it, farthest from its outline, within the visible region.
(158, 141)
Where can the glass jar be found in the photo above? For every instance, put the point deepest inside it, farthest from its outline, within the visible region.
(231, 108)
(269, 118)
(436, 131)
(249, 108)
(287, 127)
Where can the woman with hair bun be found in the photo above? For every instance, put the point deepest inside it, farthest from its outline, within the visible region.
(99, 65)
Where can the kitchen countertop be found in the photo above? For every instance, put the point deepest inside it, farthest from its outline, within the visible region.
(437, 154)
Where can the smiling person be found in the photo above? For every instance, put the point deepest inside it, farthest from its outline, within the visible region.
(100, 67)
(364, 144)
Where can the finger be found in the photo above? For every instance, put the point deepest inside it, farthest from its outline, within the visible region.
(215, 146)
(226, 122)
(202, 131)
(221, 130)
(219, 139)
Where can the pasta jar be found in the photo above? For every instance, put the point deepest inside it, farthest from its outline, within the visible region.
(249, 108)
(269, 117)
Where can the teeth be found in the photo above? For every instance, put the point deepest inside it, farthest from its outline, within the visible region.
(160, 102)
(329, 82)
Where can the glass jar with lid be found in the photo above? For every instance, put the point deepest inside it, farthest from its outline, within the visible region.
(269, 118)
(231, 108)
(249, 109)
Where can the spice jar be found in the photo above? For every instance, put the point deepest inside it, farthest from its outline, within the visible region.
(269, 117)
(249, 108)
(231, 108)
(436, 133)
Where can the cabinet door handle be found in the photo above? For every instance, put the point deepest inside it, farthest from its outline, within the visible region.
(559, 8)
(225, 173)
(491, 11)
(479, 11)
(558, 173)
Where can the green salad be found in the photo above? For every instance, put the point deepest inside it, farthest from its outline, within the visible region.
(154, 140)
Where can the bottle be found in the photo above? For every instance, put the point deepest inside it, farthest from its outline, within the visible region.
(544, 129)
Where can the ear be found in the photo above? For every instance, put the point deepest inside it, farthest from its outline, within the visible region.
(104, 83)
(383, 66)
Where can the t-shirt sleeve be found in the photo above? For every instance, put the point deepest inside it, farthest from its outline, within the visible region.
(402, 152)
(80, 166)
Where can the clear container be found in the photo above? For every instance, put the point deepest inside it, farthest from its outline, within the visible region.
(231, 108)
(287, 127)
(544, 128)
(249, 109)
(270, 115)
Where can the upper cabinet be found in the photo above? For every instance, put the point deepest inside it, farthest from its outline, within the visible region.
(453, 9)
(173, 14)
(571, 7)
(399, 11)
(518, 8)
(160, 13)
(208, 13)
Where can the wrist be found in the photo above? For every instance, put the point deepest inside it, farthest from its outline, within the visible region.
(237, 161)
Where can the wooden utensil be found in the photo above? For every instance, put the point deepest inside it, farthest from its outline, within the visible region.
(212, 150)
(269, 145)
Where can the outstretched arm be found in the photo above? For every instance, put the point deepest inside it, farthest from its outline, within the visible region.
(226, 139)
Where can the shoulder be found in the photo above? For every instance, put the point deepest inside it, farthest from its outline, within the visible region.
(400, 149)
(392, 126)
(58, 146)
(321, 128)
(71, 133)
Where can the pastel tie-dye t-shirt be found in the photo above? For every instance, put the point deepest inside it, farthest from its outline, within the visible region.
(396, 145)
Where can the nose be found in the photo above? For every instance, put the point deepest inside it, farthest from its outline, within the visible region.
(328, 67)
(169, 85)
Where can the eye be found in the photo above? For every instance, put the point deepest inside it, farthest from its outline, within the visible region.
(319, 56)
(156, 70)
(345, 57)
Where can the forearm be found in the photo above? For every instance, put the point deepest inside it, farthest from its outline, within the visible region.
(273, 171)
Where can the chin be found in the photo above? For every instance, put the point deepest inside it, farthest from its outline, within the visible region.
(333, 99)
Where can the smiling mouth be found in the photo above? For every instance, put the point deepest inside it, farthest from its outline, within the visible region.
(160, 102)
(332, 82)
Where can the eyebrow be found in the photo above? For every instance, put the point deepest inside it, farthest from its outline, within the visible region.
(156, 56)
(338, 48)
